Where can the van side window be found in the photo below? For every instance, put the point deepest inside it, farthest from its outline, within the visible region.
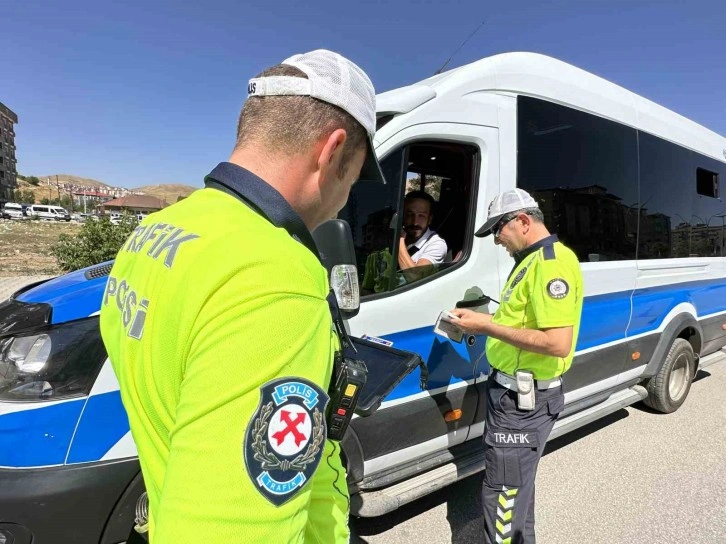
(583, 171)
(611, 192)
(444, 171)
(680, 187)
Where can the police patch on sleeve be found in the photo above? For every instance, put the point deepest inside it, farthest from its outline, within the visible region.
(558, 288)
(285, 437)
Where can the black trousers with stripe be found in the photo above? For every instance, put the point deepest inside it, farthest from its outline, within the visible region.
(513, 442)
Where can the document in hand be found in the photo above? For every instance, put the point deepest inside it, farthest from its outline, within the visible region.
(445, 327)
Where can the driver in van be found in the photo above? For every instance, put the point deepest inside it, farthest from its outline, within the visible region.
(419, 244)
(420, 249)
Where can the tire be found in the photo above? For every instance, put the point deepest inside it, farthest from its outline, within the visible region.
(668, 389)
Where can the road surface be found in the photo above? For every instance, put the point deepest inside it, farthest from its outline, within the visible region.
(634, 476)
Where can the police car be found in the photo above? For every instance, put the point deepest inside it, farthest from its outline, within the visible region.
(630, 187)
(68, 471)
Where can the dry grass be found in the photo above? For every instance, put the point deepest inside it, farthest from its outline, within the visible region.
(25, 246)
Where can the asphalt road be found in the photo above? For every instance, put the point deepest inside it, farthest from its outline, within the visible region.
(634, 476)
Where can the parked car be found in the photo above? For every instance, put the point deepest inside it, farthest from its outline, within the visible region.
(49, 213)
(12, 210)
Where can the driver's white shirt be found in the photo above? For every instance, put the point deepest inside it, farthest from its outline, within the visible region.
(431, 247)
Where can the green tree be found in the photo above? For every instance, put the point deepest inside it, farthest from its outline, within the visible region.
(44, 201)
(97, 241)
(17, 195)
(33, 180)
(28, 197)
(432, 185)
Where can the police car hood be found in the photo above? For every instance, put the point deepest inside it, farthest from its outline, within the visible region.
(73, 296)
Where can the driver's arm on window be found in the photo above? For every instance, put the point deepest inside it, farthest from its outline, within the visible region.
(405, 260)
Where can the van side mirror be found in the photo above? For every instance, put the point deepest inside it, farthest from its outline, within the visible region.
(337, 252)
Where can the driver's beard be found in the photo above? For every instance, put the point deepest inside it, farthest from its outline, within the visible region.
(413, 237)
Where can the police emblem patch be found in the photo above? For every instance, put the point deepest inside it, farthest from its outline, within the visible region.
(285, 437)
(558, 288)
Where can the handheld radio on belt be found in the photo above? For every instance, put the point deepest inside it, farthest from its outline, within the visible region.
(349, 378)
(348, 381)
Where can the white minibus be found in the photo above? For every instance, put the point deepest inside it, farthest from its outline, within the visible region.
(631, 187)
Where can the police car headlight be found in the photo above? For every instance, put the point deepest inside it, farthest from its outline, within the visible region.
(29, 353)
(59, 362)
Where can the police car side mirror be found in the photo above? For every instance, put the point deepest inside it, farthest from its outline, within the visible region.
(337, 253)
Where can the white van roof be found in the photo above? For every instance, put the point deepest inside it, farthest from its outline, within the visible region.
(544, 77)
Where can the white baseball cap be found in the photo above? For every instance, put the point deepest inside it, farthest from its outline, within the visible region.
(504, 203)
(334, 79)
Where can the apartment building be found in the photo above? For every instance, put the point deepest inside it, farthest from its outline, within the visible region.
(8, 171)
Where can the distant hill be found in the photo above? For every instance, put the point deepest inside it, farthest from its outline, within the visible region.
(39, 191)
(75, 180)
(168, 191)
(43, 190)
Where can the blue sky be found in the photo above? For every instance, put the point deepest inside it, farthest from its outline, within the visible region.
(136, 93)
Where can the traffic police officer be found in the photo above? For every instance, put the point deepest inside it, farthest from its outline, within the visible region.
(217, 325)
(531, 343)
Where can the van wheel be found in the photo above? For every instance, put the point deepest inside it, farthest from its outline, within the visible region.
(668, 389)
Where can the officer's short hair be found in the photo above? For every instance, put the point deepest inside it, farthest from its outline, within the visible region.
(291, 124)
(534, 213)
(421, 195)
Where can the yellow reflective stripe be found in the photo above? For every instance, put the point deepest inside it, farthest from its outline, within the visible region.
(504, 502)
(505, 515)
(503, 528)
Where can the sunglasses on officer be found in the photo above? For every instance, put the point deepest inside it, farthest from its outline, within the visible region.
(496, 229)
